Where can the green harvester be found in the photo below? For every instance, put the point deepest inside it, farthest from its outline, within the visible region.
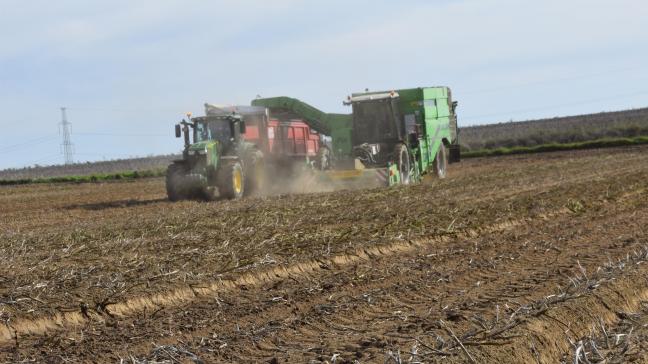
(390, 138)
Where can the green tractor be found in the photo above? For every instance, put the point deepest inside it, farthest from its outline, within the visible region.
(219, 163)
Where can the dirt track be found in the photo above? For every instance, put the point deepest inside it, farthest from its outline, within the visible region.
(515, 259)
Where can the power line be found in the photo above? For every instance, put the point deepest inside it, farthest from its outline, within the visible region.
(542, 82)
(51, 157)
(138, 110)
(50, 138)
(10, 148)
(123, 135)
(121, 156)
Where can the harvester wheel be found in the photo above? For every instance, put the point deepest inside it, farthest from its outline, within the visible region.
(173, 180)
(441, 162)
(402, 160)
(323, 159)
(231, 181)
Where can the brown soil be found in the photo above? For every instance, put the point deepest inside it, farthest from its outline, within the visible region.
(512, 259)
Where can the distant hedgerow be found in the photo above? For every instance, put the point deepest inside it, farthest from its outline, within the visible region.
(90, 178)
(552, 147)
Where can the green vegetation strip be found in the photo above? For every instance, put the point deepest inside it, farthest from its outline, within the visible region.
(99, 177)
(160, 172)
(554, 147)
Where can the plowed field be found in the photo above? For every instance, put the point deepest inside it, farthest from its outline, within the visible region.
(538, 258)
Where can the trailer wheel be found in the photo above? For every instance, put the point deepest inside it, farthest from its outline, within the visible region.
(231, 181)
(402, 160)
(173, 182)
(323, 159)
(441, 162)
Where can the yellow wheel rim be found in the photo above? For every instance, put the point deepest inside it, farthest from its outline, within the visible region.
(238, 181)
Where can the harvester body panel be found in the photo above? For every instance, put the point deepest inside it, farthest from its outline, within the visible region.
(430, 111)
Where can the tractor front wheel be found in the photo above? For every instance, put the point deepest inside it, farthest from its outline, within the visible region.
(231, 181)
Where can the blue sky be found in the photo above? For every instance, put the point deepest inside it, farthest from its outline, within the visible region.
(128, 70)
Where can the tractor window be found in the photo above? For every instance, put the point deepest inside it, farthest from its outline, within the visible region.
(214, 130)
(201, 133)
(373, 121)
(220, 130)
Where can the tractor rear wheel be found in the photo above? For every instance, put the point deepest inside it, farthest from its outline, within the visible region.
(402, 160)
(441, 162)
(231, 181)
(173, 180)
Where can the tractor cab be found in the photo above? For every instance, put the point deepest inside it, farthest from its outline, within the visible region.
(222, 130)
(377, 127)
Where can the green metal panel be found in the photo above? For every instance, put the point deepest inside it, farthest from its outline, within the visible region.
(443, 108)
(431, 111)
(394, 175)
(431, 106)
(425, 155)
(430, 93)
(410, 99)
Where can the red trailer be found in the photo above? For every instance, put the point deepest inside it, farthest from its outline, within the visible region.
(281, 139)
(292, 138)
